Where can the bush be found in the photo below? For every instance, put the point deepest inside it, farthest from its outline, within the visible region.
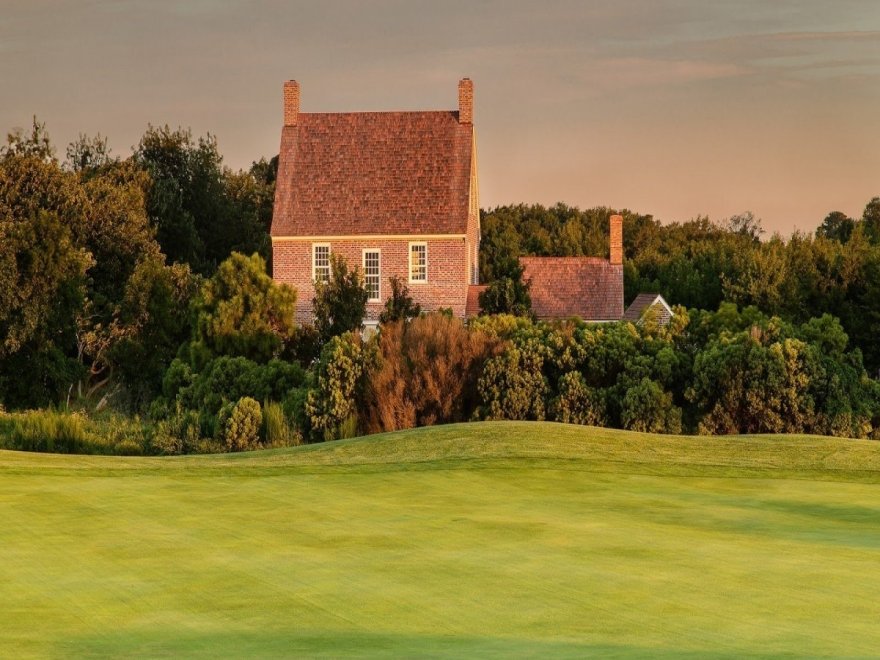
(232, 378)
(512, 385)
(507, 295)
(276, 429)
(647, 408)
(242, 311)
(426, 374)
(339, 385)
(579, 403)
(49, 431)
(242, 430)
(129, 447)
(178, 434)
(400, 306)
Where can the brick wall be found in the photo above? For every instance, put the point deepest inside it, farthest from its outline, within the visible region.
(447, 271)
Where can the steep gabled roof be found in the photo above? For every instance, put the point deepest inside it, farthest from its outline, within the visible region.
(561, 287)
(642, 303)
(358, 173)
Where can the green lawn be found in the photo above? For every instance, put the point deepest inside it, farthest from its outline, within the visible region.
(493, 538)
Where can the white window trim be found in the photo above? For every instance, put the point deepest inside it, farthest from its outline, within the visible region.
(409, 259)
(314, 265)
(378, 251)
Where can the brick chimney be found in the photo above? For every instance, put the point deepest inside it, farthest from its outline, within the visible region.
(465, 101)
(291, 103)
(616, 239)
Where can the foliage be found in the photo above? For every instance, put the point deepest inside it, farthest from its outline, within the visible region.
(49, 431)
(331, 405)
(276, 431)
(202, 212)
(155, 320)
(400, 305)
(241, 311)
(340, 304)
(56, 431)
(578, 403)
(700, 264)
(42, 289)
(648, 408)
(224, 380)
(241, 430)
(507, 295)
(426, 373)
(771, 377)
(88, 154)
(512, 385)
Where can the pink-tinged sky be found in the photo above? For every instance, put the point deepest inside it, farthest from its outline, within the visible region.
(671, 107)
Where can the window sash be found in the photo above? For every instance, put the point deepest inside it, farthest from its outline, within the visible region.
(372, 263)
(321, 262)
(418, 262)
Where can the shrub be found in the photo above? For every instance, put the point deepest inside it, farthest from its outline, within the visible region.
(232, 378)
(578, 403)
(242, 311)
(512, 385)
(49, 431)
(339, 384)
(177, 434)
(276, 429)
(647, 408)
(426, 373)
(164, 441)
(507, 295)
(123, 435)
(400, 306)
(242, 430)
(129, 447)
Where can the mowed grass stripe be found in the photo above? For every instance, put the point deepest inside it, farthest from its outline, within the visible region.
(549, 540)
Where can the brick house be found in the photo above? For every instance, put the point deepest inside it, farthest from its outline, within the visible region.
(394, 193)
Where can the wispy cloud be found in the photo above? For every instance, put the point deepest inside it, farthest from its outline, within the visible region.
(627, 72)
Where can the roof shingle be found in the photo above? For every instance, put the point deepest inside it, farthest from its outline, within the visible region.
(561, 287)
(356, 173)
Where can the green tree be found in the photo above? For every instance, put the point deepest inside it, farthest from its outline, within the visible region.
(871, 220)
(647, 408)
(836, 226)
(341, 303)
(202, 211)
(508, 295)
(400, 306)
(331, 407)
(513, 386)
(152, 322)
(88, 154)
(242, 311)
(42, 288)
(578, 403)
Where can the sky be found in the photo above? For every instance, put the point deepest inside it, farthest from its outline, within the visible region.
(677, 108)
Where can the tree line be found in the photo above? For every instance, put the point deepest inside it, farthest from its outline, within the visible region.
(701, 264)
(126, 288)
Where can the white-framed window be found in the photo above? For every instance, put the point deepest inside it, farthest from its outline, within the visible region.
(321, 262)
(372, 273)
(418, 262)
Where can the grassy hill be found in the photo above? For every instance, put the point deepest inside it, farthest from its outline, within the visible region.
(493, 538)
